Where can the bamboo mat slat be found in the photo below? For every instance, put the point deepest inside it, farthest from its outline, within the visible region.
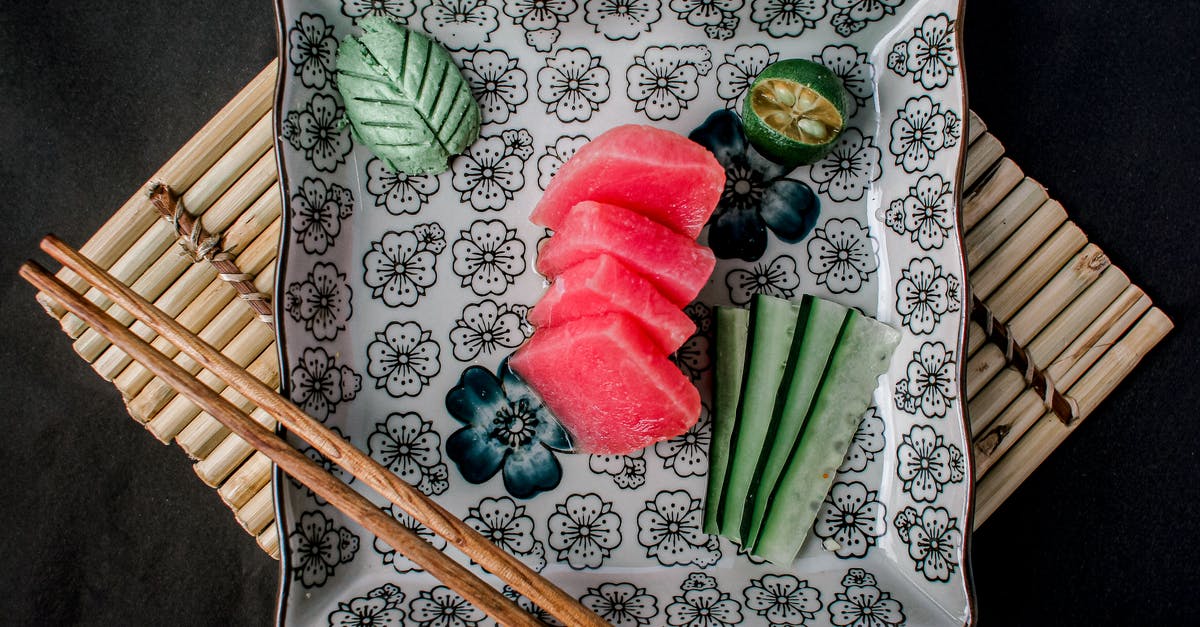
(1056, 326)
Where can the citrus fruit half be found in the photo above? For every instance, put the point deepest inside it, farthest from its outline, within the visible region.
(794, 111)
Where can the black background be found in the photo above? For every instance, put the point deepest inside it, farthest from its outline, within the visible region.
(103, 525)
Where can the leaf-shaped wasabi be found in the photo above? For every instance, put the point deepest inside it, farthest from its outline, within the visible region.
(405, 98)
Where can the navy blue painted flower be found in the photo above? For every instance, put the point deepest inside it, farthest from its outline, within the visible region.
(757, 195)
(508, 430)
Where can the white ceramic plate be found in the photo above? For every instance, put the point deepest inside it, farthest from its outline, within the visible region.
(395, 292)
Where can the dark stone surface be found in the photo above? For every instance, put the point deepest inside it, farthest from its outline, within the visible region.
(102, 525)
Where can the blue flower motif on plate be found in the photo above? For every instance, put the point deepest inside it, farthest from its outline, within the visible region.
(757, 195)
(508, 430)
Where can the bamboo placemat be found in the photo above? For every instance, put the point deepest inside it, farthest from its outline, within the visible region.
(1055, 325)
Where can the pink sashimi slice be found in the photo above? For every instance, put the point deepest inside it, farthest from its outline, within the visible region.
(603, 285)
(608, 383)
(673, 263)
(657, 173)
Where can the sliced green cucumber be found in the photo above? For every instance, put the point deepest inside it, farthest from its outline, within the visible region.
(863, 353)
(773, 325)
(733, 324)
(812, 347)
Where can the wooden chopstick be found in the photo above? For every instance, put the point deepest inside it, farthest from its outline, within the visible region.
(293, 462)
(424, 510)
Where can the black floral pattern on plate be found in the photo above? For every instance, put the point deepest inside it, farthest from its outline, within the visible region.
(920, 131)
(738, 71)
(401, 266)
(783, 599)
(786, 18)
(573, 84)
(862, 604)
(488, 257)
(778, 278)
(312, 49)
(854, 67)
(556, 155)
(924, 294)
(926, 215)
(318, 209)
(531, 608)
(319, 133)
(694, 357)
(628, 472)
(402, 359)
(584, 530)
(325, 464)
(540, 19)
(493, 169)
(442, 607)
(622, 19)
(622, 604)
(687, 453)
(321, 301)
(497, 82)
(319, 384)
(933, 539)
(854, 15)
(850, 167)
(397, 192)
(395, 10)
(461, 24)
(486, 327)
(378, 608)
(664, 79)
(926, 463)
(930, 384)
(869, 440)
(407, 444)
(506, 525)
(319, 546)
(852, 517)
(929, 54)
(670, 529)
(842, 255)
(718, 18)
(702, 604)
(397, 560)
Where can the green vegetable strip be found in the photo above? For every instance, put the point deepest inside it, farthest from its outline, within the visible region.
(732, 328)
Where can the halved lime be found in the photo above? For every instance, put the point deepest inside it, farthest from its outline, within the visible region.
(795, 111)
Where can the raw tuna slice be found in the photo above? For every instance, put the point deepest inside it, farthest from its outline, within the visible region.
(659, 174)
(602, 285)
(608, 383)
(673, 263)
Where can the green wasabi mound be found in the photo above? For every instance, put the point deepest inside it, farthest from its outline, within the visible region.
(405, 98)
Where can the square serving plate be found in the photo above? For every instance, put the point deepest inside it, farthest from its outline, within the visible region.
(395, 290)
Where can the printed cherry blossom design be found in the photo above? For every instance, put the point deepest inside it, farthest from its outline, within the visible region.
(488, 257)
(321, 301)
(379, 607)
(924, 294)
(312, 49)
(933, 539)
(326, 465)
(621, 19)
(573, 84)
(853, 517)
(319, 546)
(398, 192)
(399, 268)
(395, 10)
(694, 357)
(863, 604)
(403, 358)
(396, 559)
(687, 453)
(318, 209)
(926, 215)
(622, 604)
(930, 386)
(492, 169)
(738, 71)
(497, 82)
(919, 133)
(486, 327)
(443, 607)
(665, 79)
(868, 442)
(584, 530)
(786, 18)
(703, 607)
(783, 599)
(929, 54)
(778, 278)
(318, 131)
(540, 19)
(850, 168)
(842, 255)
(461, 24)
(319, 384)
(926, 463)
(718, 18)
(854, 67)
(670, 528)
(628, 472)
(509, 527)
(406, 444)
(556, 155)
(854, 15)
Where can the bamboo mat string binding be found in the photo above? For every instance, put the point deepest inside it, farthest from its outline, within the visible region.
(1054, 329)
